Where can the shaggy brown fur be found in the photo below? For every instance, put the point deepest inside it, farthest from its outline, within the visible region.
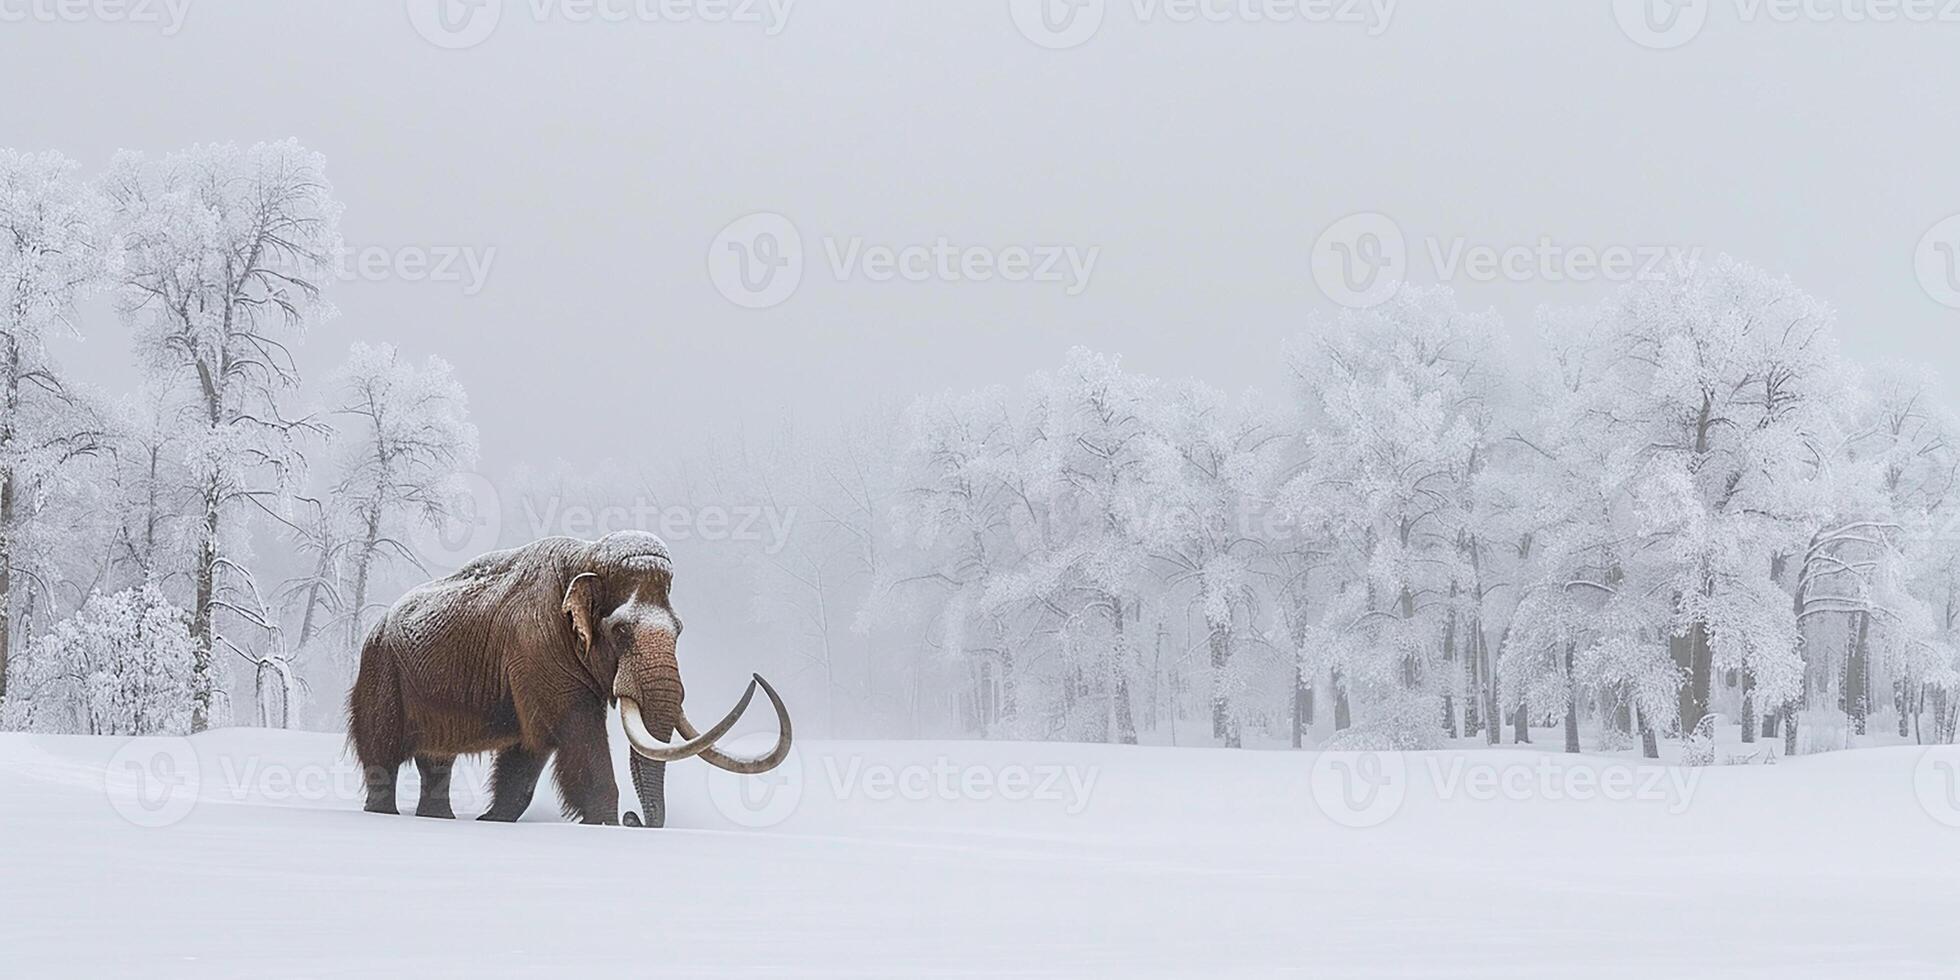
(520, 653)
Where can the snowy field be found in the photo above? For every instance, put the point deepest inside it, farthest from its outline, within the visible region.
(241, 853)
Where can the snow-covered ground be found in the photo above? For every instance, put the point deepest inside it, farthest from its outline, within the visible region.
(242, 853)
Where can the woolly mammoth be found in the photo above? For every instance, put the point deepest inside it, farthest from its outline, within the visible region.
(520, 653)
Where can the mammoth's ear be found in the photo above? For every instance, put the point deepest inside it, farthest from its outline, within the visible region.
(580, 597)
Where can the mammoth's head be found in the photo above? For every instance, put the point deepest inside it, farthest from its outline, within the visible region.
(623, 626)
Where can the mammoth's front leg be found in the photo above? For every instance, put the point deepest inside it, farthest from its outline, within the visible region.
(512, 782)
(435, 786)
(586, 790)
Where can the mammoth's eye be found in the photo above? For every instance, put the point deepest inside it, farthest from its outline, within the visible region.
(620, 632)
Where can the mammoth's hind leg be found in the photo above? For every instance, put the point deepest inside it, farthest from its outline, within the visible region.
(376, 723)
(435, 786)
(512, 783)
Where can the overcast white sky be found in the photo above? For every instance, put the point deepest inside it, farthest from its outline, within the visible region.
(600, 160)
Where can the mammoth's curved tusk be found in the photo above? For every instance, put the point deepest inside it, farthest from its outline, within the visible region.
(747, 767)
(648, 747)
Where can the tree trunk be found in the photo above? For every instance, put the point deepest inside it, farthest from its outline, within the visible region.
(1694, 656)
(1521, 723)
(1449, 658)
(363, 560)
(1342, 716)
(1302, 685)
(1126, 719)
(1493, 719)
(1857, 701)
(1222, 728)
(1691, 655)
(314, 593)
(6, 570)
(1007, 692)
(1650, 747)
(10, 395)
(1748, 706)
(1571, 704)
(1302, 707)
(203, 624)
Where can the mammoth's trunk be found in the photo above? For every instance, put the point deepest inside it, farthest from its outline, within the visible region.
(659, 704)
(650, 784)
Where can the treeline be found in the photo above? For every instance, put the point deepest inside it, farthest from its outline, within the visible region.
(1679, 506)
(1680, 516)
(131, 592)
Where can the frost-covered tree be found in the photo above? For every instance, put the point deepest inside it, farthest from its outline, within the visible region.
(1878, 562)
(1393, 404)
(1586, 625)
(1080, 474)
(1727, 398)
(226, 247)
(955, 523)
(1210, 465)
(54, 246)
(409, 434)
(120, 666)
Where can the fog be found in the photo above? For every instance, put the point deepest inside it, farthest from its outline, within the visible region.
(589, 165)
